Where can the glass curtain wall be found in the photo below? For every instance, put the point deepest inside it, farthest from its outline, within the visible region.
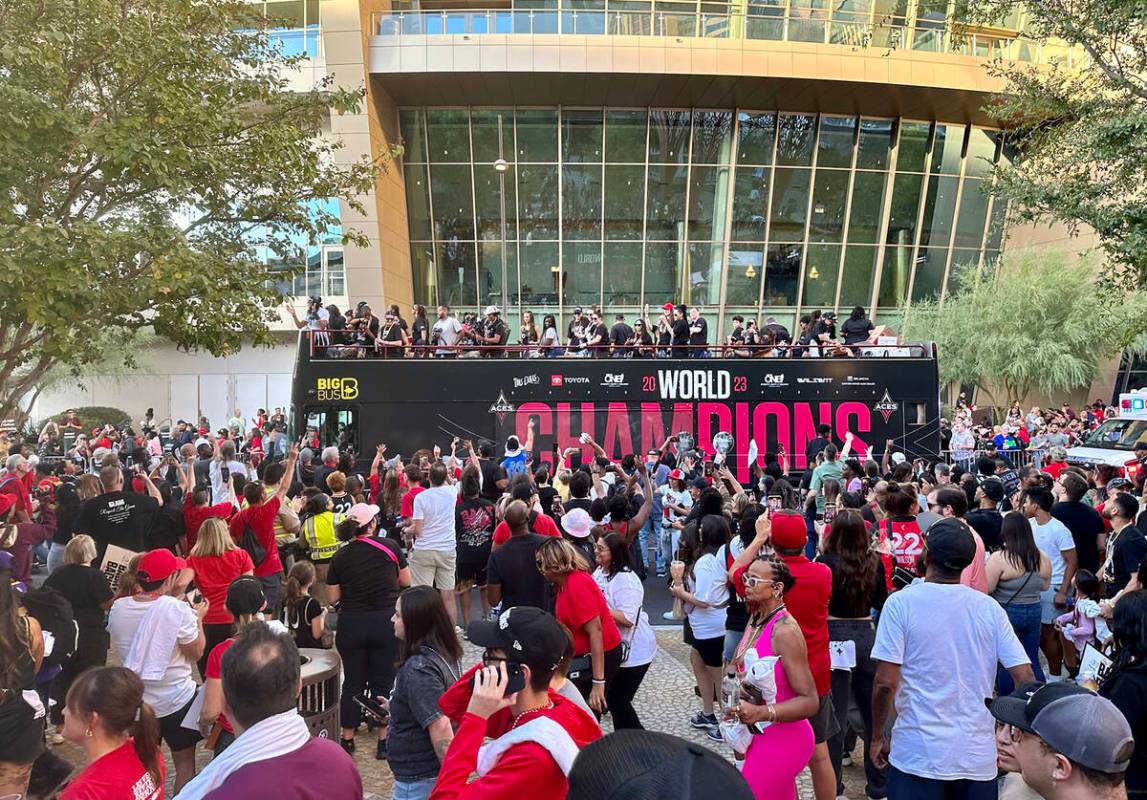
(737, 211)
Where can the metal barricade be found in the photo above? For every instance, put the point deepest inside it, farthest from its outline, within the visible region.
(319, 699)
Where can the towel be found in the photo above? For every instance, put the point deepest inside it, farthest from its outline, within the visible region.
(154, 640)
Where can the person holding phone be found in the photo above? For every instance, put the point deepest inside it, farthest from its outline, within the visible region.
(509, 694)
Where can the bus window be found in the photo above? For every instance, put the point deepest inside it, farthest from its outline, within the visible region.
(336, 426)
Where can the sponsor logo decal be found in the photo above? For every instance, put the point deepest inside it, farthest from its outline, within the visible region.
(502, 407)
(774, 381)
(527, 380)
(555, 380)
(336, 388)
(614, 381)
(817, 381)
(886, 406)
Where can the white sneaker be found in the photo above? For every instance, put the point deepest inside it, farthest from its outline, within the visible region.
(669, 616)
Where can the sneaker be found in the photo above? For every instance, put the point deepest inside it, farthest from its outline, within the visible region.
(460, 631)
(347, 745)
(380, 752)
(846, 760)
(714, 735)
(669, 616)
(703, 721)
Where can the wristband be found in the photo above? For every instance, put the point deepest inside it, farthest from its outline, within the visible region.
(597, 682)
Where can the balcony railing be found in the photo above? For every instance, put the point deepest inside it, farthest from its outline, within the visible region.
(858, 30)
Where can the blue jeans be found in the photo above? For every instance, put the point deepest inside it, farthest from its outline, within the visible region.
(413, 790)
(1025, 621)
(670, 538)
(650, 533)
(902, 786)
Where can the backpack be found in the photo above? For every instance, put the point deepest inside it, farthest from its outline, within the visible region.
(249, 541)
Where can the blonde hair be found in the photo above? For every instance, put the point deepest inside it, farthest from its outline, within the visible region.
(89, 486)
(336, 481)
(80, 550)
(560, 557)
(214, 539)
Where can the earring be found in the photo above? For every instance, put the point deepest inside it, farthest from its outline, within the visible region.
(88, 732)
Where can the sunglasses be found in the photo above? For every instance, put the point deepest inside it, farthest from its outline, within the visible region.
(753, 580)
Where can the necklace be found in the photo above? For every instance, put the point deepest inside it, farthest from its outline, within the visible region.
(518, 717)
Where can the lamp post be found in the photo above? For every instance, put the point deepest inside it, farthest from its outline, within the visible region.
(500, 166)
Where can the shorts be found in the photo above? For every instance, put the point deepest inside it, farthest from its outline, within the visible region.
(732, 640)
(171, 729)
(433, 568)
(824, 722)
(470, 574)
(710, 650)
(21, 731)
(1048, 611)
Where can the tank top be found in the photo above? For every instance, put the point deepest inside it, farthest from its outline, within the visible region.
(1023, 590)
(764, 647)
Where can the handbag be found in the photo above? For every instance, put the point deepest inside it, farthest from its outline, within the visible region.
(249, 541)
(579, 665)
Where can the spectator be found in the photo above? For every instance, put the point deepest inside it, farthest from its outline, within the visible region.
(21, 712)
(1126, 682)
(30, 535)
(621, 337)
(941, 739)
(1011, 785)
(433, 561)
(118, 517)
(108, 718)
(1082, 520)
(698, 334)
(364, 580)
(159, 636)
(197, 510)
(330, 459)
(986, 519)
(1127, 547)
(1018, 574)
(445, 333)
(1054, 540)
(858, 328)
(474, 532)
(547, 729)
(222, 468)
(14, 484)
(512, 577)
(581, 606)
(1069, 743)
(319, 538)
(253, 529)
(217, 561)
(273, 747)
(625, 597)
(419, 734)
(287, 523)
(87, 591)
(951, 503)
(304, 617)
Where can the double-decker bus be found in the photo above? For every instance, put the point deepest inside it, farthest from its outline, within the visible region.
(628, 405)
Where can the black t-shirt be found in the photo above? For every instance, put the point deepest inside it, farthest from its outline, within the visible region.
(1129, 551)
(86, 589)
(512, 567)
(202, 471)
(1127, 689)
(987, 522)
(856, 330)
(823, 327)
(595, 331)
(367, 577)
(680, 335)
(492, 472)
(342, 503)
(780, 333)
(576, 327)
(620, 333)
(838, 606)
(321, 473)
(578, 335)
(737, 335)
(1085, 525)
(167, 527)
(546, 495)
(474, 529)
(698, 331)
(120, 518)
(419, 331)
(299, 621)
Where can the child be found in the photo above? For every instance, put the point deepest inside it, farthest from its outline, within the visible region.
(1083, 624)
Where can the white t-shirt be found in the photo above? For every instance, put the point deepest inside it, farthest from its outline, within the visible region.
(435, 507)
(176, 688)
(221, 489)
(1053, 539)
(672, 498)
(448, 330)
(710, 584)
(948, 639)
(625, 593)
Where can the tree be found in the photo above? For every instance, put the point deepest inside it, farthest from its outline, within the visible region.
(151, 152)
(1036, 321)
(1081, 128)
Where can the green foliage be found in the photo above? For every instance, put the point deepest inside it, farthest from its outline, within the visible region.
(1082, 127)
(149, 147)
(91, 416)
(1037, 321)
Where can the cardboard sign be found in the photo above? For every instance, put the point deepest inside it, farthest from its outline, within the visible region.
(115, 564)
(1093, 662)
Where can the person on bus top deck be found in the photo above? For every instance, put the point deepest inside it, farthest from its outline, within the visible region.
(493, 333)
(680, 332)
(698, 334)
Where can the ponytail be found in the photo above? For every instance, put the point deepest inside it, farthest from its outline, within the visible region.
(145, 736)
(300, 576)
(349, 529)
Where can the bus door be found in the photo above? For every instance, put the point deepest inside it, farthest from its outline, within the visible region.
(336, 425)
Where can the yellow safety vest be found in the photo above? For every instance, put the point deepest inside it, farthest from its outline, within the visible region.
(319, 532)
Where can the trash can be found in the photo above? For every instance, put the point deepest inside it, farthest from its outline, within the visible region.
(319, 699)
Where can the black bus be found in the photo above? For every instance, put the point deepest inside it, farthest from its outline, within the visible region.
(628, 405)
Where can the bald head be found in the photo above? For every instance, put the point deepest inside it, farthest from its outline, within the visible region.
(518, 518)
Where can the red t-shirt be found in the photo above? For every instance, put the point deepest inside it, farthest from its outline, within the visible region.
(194, 516)
(14, 486)
(215, 670)
(407, 507)
(807, 602)
(118, 775)
(1054, 468)
(261, 518)
(213, 574)
(543, 525)
(579, 601)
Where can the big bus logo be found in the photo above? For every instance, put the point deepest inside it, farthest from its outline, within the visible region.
(337, 388)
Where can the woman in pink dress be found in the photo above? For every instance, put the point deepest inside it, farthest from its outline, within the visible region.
(776, 757)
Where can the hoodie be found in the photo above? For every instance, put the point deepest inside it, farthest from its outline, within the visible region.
(532, 759)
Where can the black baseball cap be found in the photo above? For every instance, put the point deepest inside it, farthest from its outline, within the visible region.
(245, 595)
(993, 489)
(1086, 728)
(527, 634)
(647, 765)
(950, 544)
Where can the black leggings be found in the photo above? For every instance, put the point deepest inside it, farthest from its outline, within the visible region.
(368, 648)
(619, 694)
(214, 633)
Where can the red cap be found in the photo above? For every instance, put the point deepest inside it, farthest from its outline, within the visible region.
(668, 307)
(138, 485)
(676, 475)
(157, 565)
(788, 531)
(6, 503)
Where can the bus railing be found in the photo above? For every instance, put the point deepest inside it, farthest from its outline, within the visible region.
(325, 346)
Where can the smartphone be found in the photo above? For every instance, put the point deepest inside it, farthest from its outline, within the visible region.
(556, 506)
(901, 577)
(774, 504)
(515, 678)
(225, 473)
(372, 707)
(829, 512)
(707, 468)
(584, 438)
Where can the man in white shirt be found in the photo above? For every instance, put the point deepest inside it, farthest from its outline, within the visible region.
(435, 552)
(963, 444)
(445, 332)
(163, 582)
(1053, 539)
(220, 485)
(938, 644)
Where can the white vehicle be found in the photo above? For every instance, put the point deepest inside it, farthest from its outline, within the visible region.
(1113, 442)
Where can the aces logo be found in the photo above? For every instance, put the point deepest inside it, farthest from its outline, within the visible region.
(886, 406)
(502, 407)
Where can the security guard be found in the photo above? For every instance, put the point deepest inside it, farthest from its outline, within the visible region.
(319, 539)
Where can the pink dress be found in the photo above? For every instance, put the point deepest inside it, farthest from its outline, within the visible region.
(777, 756)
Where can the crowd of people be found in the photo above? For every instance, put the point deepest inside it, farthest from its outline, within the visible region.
(980, 626)
(679, 332)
